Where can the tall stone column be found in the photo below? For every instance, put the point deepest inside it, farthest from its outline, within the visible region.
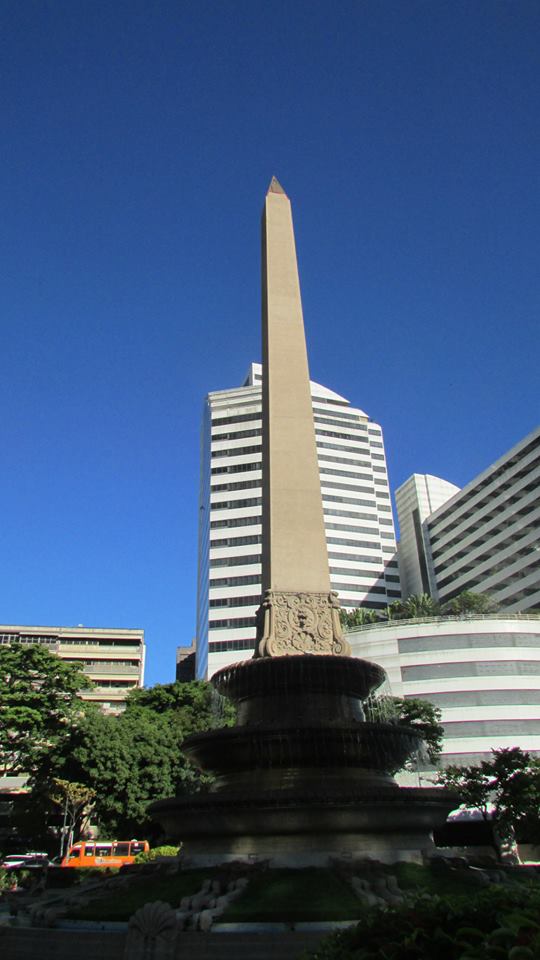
(299, 613)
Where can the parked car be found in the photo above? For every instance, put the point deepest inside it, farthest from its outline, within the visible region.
(24, 861)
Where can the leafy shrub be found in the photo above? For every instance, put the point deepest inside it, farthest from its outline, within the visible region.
(501, 922)
(157, 852)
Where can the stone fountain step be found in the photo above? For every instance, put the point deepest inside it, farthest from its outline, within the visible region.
(247, 946)
(53, 944)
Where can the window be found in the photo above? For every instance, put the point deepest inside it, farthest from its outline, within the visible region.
(103, 849)
(121, 849)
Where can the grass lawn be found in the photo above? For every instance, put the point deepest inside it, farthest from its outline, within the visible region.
(121, 905)
(295, 895)
(413, 877)
(285, 896)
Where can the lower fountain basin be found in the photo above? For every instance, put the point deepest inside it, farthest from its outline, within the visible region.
(376, 746)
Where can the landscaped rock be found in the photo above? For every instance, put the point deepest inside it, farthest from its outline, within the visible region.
(206, 919)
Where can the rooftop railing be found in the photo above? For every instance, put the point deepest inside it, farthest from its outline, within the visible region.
(398, 622)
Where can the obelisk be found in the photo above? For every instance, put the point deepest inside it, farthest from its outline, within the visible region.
(299, 613)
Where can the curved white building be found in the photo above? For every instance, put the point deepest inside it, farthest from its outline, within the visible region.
(483, 673)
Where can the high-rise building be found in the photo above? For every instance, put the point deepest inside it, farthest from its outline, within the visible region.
(112, 658)
(483, 538)
(416, 500)
(357, 512)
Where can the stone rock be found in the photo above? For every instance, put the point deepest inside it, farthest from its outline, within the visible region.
(206, 919)
(200, 901)
(216, 887)
(185, 903)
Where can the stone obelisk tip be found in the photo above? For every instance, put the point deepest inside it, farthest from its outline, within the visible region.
(275, 187)
(299, 613)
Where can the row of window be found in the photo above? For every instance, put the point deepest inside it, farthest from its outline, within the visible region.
(487, 668)
(232, 623)
(237, 467)
(239, 418)
(239, 485)
(237, 435)
(485, 698)
(220, 646)
(332, 512)
(359, 427)
(358, 444)
(236, 601)
(341, 541)
(491, 728)
(235, 522)
(233, 504)
(237, 452)
(235, 581)
(356, 557)
(343, 572)
(473, 641)
(236, 541)
(236, 561)
(343, 473)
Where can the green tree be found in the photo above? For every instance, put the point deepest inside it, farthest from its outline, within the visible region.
(411, 712)
(505, 789)
(38, 704)
(358, 617)
(135, 758)
(420, 605)
(194, 706)
(75, 801)
(469, 603)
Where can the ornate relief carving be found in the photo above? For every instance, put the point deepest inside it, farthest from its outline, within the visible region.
(294, 623)
(152, 932)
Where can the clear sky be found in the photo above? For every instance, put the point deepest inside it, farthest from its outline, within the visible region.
(137, 143)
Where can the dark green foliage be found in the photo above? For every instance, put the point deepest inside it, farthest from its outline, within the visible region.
(168, 889)
(196, 706)
(498, 922)
(287, 896)
(469, 603)
(420, 606)
(156, 852)
(357, 617)
(420, 714)
(38, 704)
(505, 789)
(135, 758)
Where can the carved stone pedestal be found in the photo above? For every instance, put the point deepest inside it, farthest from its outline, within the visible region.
(290, 623)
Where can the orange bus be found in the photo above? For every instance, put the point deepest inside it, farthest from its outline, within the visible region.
(104, 853)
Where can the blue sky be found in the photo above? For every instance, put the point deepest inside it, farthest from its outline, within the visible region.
(138, 141)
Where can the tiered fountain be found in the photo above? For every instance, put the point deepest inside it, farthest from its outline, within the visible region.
(302, 776)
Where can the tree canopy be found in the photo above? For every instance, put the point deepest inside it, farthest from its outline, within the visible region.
(425, 717)
(418, 606)
(505, 789)
(38, 704)
(134, 758)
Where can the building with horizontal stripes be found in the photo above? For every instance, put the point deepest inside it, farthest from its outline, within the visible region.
(484, 538)
(356, 502)
(112, 658)
(483, 672)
